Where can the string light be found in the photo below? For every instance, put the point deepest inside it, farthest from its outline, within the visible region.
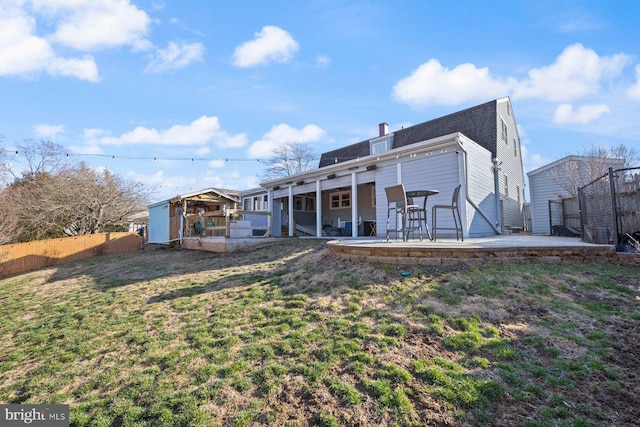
(225, 159)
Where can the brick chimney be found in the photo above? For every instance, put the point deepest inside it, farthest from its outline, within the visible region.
(384, 129)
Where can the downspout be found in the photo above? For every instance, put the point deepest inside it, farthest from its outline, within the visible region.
(496, 188)
(468, 198)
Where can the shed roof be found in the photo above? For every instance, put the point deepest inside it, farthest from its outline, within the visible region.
(232, 195)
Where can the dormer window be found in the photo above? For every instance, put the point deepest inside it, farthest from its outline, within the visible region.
(379, 147)
(380, 144)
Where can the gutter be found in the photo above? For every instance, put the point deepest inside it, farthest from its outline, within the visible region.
(466, 192)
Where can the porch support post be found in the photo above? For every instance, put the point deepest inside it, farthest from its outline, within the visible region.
(318, 209)
(291, 224)
(270, 209)
(354, 205)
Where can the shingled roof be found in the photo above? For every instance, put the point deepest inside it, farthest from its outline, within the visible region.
(478, 123)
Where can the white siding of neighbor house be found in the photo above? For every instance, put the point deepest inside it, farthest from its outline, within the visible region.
(480, 189)
(543, 189)
(159, 223)
(511, 167)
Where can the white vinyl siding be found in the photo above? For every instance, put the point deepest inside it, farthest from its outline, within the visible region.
(542, 189)
(510, 167)
(480, 190)
(159, 222)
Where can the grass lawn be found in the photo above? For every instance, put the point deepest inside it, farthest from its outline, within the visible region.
(286, 334)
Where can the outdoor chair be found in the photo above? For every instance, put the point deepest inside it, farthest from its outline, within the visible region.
(347, 230)
(406, 215)
(455, 211)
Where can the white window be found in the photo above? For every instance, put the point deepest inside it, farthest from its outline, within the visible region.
(379, 147)
(247, 204)
(506, 185)
(303, 203)
(518, 192)
(340, 200)
(515, 147)
(505, 136)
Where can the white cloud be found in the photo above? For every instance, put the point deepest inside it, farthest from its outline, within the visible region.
(84, 69)
(577, 72)
(175, 56)
(203, 151)
(96, 24)
(281, 135)
(33, 31)
(167, 186)
(47, 131)
(217, 163)
(23, 53)
(202, 131)
(433, 83)
(270, 44)
(634, 91)
(584, 114)
(323, 61)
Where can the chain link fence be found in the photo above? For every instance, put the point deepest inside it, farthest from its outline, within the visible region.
(610, 209)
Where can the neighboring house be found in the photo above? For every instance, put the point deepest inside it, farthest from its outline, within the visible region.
(138, 221)
(170, 220)
(478, 148)
(557, 183)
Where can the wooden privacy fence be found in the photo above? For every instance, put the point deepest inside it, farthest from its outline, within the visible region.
(22, 257)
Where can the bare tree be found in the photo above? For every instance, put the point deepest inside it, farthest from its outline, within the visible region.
(4, 164)
(8, 219)
(102, 201)
(35, 158)
(75, 201)
(290, 159)
(592, 164)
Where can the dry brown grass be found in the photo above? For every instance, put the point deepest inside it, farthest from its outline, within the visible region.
(286, 334)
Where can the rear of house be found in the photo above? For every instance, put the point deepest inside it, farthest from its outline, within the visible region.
(477, 148)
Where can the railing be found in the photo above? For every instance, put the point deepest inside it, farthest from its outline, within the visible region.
(232, 223)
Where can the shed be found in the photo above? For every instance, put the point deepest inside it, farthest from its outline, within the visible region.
(558, 182)
(166, 223)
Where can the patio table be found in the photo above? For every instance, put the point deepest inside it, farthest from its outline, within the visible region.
(423, 212)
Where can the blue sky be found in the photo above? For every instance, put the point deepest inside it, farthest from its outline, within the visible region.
(121, 82)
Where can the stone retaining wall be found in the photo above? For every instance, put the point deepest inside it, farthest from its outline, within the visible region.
(480, 256)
